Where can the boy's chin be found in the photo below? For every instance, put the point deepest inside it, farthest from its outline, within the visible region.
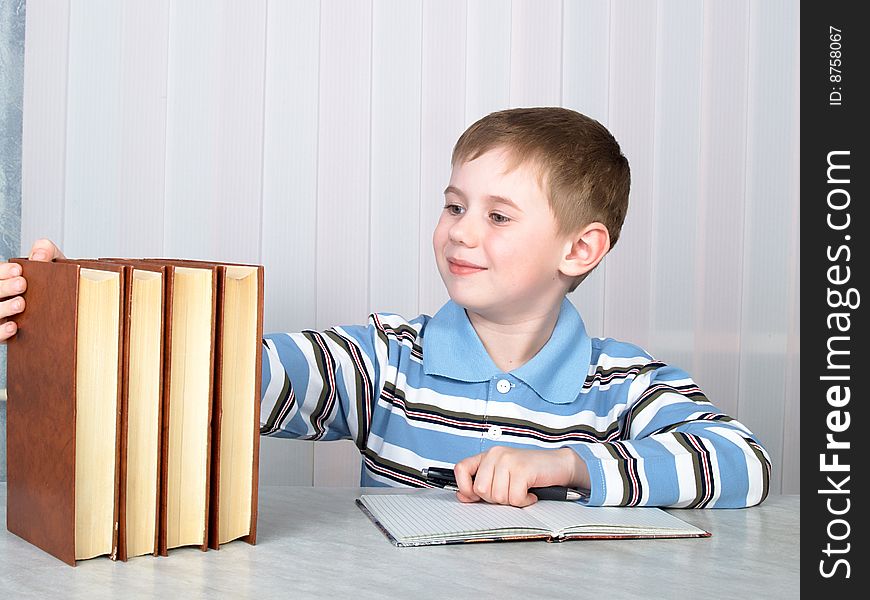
(476, 305)
(466, 301)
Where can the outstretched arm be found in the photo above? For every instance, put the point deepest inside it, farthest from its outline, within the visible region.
(319, 385)
(674, 448)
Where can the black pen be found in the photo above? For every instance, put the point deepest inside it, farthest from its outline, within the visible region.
(446, 479)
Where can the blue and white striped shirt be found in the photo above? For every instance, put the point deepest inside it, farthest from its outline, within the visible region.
(424, 392)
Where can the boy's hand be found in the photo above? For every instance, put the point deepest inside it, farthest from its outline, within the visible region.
(12, 284)
(504, 475)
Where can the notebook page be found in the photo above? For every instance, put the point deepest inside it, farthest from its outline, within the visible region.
(439, 515)
(562, 516)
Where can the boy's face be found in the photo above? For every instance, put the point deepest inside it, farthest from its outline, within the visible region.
(497, 243)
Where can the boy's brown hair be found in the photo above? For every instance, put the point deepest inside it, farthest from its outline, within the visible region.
(581, 167)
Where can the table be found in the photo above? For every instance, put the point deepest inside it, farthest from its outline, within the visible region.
(316, 543)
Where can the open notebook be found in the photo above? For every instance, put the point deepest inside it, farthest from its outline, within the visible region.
(436, 517)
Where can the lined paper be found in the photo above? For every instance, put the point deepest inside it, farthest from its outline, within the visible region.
(436, 516)
(569, 516)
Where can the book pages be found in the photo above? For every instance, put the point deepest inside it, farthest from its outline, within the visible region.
(570, 517)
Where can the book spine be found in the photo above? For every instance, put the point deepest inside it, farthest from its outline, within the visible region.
(123, 397)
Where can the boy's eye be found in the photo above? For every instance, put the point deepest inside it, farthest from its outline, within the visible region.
(499, 219)
(454, 209)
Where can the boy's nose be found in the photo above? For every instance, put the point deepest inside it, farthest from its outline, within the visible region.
(463, 232)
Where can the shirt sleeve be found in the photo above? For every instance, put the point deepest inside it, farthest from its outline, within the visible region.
(320, 385)
(675, 449)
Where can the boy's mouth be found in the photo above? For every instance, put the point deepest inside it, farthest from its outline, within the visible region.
(461, 267)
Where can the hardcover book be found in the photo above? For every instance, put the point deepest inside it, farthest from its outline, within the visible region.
(64, 373)
(429, 517)
(187, 389)
(139, 486)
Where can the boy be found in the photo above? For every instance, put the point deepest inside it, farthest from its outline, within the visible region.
(503, 384)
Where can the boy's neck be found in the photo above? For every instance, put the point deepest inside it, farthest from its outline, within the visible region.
(511, 344)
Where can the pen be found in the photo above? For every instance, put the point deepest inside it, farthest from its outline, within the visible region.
(446, 479)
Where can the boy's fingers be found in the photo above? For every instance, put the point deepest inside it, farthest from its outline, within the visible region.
(483, 478)
(45, 250)
(9, 270)
(11, 307)
(494, 494)
(464, 472)
(519, 493)
(500, 486)
(7, 330)
(463, 498)
(10, 287)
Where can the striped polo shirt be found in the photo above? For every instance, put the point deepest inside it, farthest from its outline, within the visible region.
(424, 392)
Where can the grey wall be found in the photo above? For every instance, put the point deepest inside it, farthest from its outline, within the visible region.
(11, 88)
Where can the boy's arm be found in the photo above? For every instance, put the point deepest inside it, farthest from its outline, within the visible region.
(676, 449)
(320, 385)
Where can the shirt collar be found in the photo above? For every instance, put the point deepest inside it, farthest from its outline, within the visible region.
(452, 348)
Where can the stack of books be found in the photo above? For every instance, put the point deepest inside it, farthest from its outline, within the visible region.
(133, 406)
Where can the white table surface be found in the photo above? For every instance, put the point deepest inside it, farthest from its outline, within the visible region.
(316, 543)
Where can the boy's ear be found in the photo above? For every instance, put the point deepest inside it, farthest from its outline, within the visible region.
(585, 249)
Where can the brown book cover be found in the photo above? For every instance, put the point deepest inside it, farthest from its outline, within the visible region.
(45, 467)
(239, 335)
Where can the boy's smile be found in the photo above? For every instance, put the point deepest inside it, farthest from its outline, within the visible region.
(497, 244)
(462, 267)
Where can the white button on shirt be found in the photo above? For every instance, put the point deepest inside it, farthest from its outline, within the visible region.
(503, 386)
(494, 432)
